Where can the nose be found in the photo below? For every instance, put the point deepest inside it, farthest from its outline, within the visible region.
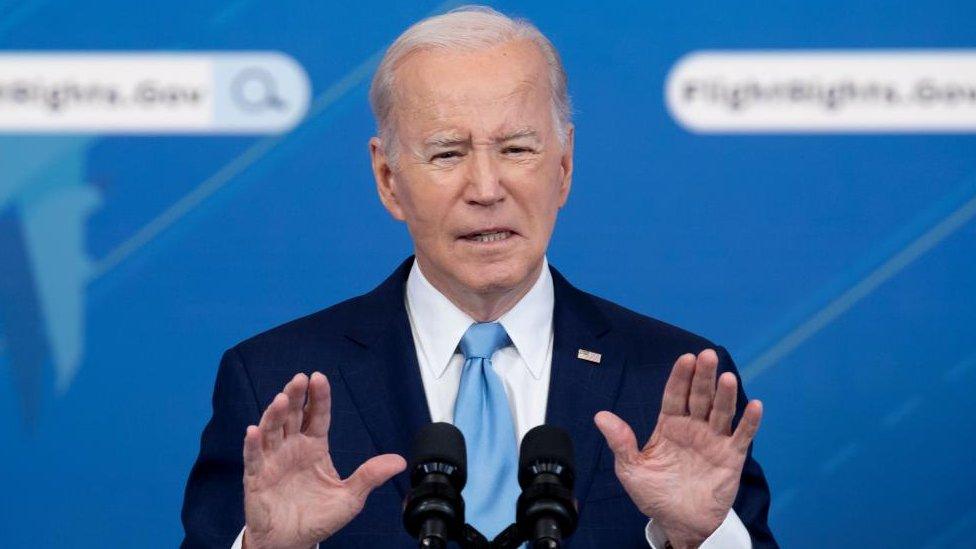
(484, 186)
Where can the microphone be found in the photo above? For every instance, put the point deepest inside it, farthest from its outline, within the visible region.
(433, 511)
(546, 512)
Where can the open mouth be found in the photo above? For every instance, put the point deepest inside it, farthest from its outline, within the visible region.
(492, 235)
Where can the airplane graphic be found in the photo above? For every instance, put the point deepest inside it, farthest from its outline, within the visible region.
(44, 268)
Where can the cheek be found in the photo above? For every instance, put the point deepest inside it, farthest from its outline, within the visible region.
(541, 200)
(426, 206)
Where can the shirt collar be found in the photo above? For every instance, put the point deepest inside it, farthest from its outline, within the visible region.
(439, 324)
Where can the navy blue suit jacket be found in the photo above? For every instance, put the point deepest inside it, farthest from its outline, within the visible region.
(364, 346)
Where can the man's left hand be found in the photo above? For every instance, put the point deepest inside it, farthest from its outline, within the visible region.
(687, 475)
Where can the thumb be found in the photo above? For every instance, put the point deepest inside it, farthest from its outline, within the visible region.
(376, 471)
(620, 437)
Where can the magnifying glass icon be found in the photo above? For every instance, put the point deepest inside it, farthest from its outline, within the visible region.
(254, 89)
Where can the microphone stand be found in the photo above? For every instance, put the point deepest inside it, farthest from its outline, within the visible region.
(509, 538)
(472, 538)
(513, 537)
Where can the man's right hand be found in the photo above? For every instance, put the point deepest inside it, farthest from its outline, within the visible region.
(293, 496)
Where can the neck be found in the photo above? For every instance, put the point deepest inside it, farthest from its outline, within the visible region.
(485, 306)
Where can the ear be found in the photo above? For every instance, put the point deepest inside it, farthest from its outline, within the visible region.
(386, 183)
(566, 166)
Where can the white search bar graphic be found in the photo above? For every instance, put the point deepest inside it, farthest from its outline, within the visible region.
(825, 91)
(151, 93)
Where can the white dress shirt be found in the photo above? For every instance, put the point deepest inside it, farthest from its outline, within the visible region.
(523, 367)
(437, 326)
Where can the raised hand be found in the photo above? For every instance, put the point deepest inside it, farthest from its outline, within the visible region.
(687, 475)
(293, 496)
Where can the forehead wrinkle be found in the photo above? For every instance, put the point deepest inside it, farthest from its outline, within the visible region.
(429, 107)
(431, 101)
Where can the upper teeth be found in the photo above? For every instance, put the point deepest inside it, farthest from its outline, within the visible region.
(491, 237)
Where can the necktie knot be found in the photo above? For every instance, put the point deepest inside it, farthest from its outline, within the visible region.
(483, 339)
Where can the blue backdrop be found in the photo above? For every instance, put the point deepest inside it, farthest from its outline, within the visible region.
(838, 269)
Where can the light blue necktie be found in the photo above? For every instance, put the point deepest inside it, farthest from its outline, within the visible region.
(481, 412)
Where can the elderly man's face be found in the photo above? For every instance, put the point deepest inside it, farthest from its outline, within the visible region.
(481, 172)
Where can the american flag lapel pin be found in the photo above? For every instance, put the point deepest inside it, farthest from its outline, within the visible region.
(589, 356)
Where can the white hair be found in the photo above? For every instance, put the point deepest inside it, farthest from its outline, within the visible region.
(468, 28)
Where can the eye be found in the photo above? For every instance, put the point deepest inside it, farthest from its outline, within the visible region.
(446, 155)
(516, 150)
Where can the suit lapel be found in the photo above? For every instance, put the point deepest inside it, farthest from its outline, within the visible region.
(578, 389)
(384, 377)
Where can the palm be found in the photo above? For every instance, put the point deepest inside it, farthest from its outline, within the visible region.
(298, 486)
(293, 496)
(684, 471)
(687, 475)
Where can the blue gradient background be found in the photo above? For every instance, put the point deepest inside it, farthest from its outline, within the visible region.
(745, 239)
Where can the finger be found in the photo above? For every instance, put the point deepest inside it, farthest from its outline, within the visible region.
(748, 425)
(703, 384)
(295, 389)
(723, 408)
(272, 422)
(620, 437)
(675, 400)
(372, 474)
(318, 409)
(253, 457)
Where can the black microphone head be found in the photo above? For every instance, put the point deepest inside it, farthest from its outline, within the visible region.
(546, 449)
(439, 443)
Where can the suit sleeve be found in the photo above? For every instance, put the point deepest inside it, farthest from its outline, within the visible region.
(213, 505)
(752, 502)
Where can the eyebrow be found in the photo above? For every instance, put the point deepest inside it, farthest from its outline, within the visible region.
(445, 140)
(453, 139)
(518, 134)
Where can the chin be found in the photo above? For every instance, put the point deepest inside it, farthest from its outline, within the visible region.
(497, 277)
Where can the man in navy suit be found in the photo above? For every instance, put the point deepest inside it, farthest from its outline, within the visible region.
(475, 155)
